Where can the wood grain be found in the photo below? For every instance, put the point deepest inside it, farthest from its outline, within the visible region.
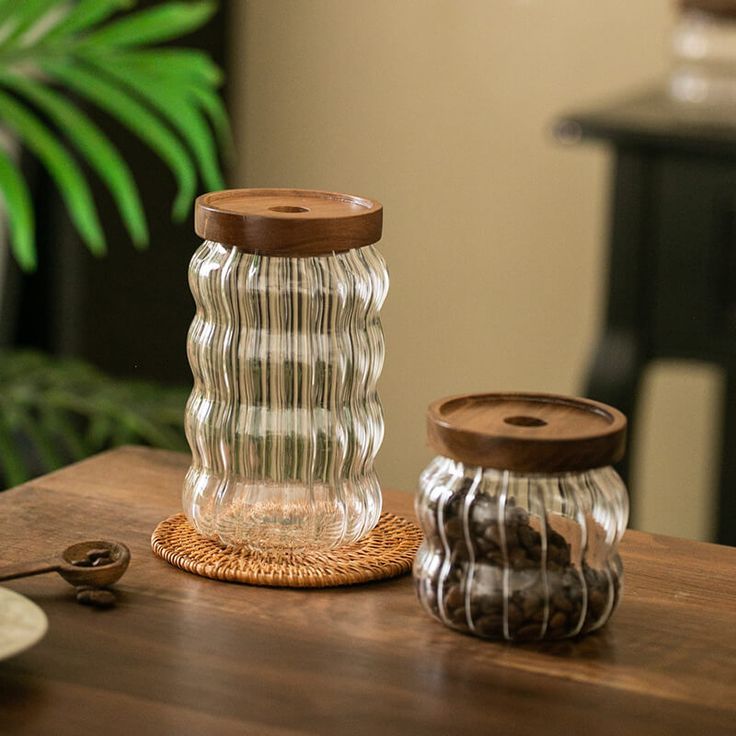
(186, 655)
(530, 432)
(288, 222)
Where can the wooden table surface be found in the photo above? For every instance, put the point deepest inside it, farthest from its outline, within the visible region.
(184, 655)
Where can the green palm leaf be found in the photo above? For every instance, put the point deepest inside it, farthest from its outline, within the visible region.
(139, 120)
(171, 104)
(25, 15)
(61, 166)
(183, 64)
(160, 23)
(19, 211)
(211, 103)
(165, 96)
(85, 14)
(96, 148)
(6, 10)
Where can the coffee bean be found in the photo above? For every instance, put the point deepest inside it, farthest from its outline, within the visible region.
(454, 597)
(531, 604)
(492, 534)
(530, 631)
(490, 626)
(96, 597)
(517, 517)
(560, 602)
(558, 621)
(514, 615)
(518, 559)
(512, 551)
(528, 538)
(492, 603)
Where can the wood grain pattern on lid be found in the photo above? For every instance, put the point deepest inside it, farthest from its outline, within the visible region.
(288, 222)
(536, 433)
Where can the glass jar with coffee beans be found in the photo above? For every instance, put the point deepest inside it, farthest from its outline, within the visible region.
(522, 515)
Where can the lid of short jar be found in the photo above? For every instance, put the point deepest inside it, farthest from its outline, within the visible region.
(527, 432)
(722, 8)
(288, 222)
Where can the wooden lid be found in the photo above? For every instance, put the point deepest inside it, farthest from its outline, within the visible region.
(288, 222)
(722, 8)
(533, 433)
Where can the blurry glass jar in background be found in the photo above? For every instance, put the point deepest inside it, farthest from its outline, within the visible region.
(522, 515)
(704, 53)
(286, 348)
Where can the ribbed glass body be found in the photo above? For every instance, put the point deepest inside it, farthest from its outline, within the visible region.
(284, 420)
(519, 557)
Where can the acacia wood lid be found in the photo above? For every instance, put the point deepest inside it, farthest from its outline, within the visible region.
(288, 222)
(533, 433)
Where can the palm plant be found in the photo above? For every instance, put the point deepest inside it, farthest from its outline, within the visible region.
(54, 411)
(54, 52)
(58, 58)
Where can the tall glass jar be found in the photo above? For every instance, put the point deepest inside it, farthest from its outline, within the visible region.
(522, 515)
(286, 348)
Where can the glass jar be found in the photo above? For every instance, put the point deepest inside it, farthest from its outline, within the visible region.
(704, 55)
(522, 515)
(286, 348)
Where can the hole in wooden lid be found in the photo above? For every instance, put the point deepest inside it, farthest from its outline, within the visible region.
(522, 421)
(288, 208)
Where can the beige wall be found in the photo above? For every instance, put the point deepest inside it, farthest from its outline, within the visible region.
(494, 233)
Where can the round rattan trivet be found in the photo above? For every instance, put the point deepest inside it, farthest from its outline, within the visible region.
(386, 552)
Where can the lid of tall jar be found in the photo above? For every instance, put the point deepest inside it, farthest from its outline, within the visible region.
(288, 222)
(527, 432)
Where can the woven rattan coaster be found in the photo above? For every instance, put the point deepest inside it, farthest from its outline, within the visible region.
(386, 552)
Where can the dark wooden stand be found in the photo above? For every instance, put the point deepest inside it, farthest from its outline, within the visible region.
(672, 261)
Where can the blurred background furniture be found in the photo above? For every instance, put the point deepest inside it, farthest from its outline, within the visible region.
(671, 289)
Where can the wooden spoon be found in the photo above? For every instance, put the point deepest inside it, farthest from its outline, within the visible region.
(93, 563)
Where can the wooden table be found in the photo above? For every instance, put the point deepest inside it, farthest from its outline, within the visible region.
(183, 655)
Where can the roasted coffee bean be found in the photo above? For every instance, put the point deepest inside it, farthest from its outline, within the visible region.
(491, 626)
(558, 621)
(491, 603)
(492, 534)
(454, 597)
(534, 609)
(528, 538)
(517, 516)
(531, 604)
(527, 632)
(560, 602)
(518, 559)
(514, 615)
(512, 538)
(96, 597)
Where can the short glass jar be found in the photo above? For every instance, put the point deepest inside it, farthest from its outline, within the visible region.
(522, 515)
(286, 348)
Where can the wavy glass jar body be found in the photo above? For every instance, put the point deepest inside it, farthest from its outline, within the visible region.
(520, 556)
(284, 420)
